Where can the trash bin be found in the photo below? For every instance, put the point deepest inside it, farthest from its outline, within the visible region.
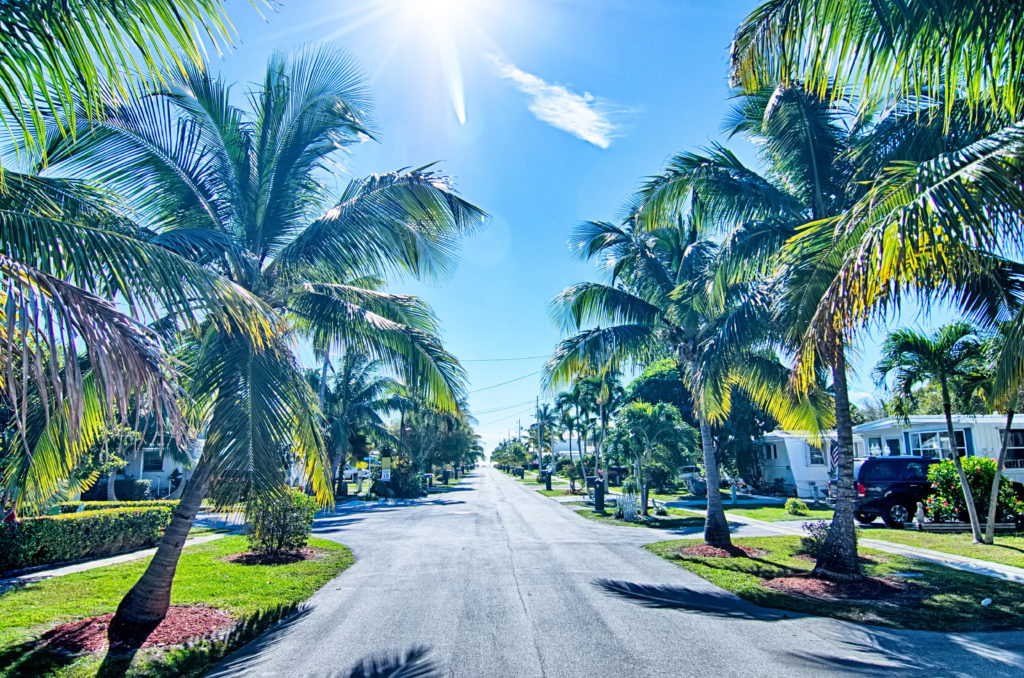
(598, 497)
(446, 476)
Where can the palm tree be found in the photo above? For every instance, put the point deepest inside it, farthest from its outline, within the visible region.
(654, 425)
(85, 46)
(818, 155)
(241, 195)
(547, 422)
(950, 72)
(662, 300)
(950, 358)
(565, 403)
(354, 404)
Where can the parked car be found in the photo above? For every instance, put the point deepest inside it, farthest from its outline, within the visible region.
(352, 473)
(890, 487)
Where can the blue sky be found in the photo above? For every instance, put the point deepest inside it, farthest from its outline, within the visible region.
(547, 113)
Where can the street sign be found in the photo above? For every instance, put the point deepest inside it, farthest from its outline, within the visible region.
(385, 475)
(385, 463)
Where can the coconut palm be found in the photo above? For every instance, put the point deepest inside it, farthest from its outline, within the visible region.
(544, 429)
(354, 403)
(950, 72)
(950, 358)
(246, 196)
(663, 302)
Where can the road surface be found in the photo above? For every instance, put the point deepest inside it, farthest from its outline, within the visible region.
(497, 580)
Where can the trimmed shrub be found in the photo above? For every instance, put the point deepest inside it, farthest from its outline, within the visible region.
(947, 502)
(795, 507)
(278, 524)
(73, 506)
(76, 536)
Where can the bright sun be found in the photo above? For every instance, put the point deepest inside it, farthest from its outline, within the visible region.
(442, 21)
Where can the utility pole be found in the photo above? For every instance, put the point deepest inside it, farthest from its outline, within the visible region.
(536, 416)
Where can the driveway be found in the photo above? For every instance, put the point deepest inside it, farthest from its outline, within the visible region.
(497, 580)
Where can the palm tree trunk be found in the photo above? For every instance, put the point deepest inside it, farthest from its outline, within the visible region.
(645, 486)
(838, 559)
(146, 604)
(993, 497)
(972, 510)
(111, 487)
(716, 527)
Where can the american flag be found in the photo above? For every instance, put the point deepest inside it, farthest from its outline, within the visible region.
(833, 453)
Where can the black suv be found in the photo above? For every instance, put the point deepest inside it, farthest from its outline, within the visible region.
(890, 487)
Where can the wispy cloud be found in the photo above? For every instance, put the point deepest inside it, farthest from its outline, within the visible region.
(582, 115)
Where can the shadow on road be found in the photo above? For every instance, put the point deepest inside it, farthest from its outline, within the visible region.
(413, 664)
(681, 598)
(887, 652)
(248, 657)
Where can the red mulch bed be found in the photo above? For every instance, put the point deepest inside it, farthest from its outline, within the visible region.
(253, 558)
(182, 624)
(877, 590)
(706, 551)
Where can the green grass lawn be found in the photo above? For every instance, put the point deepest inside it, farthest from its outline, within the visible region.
(683, 496)
(676, 518)
(775, 513)
(564, 492)
(253, 592)
(1008, 550)
(936, 598)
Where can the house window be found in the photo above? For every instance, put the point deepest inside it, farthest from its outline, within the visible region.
(152, 459)
(935, 444)
(817, 456)
(875, 447)
(1014, 449)
(769, 451)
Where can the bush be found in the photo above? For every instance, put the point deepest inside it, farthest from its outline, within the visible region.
(73, 506)
(796, 507)
(405, 482)
(279, 524)
(815, 540)
(126, 489)
(947, 502)
(75, 536)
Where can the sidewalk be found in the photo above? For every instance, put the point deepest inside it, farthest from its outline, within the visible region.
(40, 575)
(963, 563)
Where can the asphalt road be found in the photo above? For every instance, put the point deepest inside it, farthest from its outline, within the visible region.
(497, 580)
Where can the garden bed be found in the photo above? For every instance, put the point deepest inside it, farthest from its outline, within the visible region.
(254, 596)
(898, 592)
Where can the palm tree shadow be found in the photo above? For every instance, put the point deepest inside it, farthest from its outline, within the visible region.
(412, 664)
(718, 604)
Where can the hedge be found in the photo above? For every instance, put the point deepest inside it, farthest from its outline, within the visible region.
(73, 506)
(75, 536)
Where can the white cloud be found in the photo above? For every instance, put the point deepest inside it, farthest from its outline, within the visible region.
(582, 115)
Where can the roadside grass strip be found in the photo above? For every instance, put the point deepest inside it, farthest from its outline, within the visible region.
(256, 596)
(1007, 549)
(899, 592)
(778, 513)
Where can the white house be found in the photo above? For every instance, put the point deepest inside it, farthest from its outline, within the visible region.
(791, 465)
(925, 435)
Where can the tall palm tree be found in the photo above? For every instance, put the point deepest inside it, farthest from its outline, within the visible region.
(949, 358)
(663, 301)
(245, 195)
(547, 422)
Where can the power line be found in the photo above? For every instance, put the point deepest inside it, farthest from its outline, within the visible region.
(501, 360)
(502, 408)
(525, 376)
(509, 416)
